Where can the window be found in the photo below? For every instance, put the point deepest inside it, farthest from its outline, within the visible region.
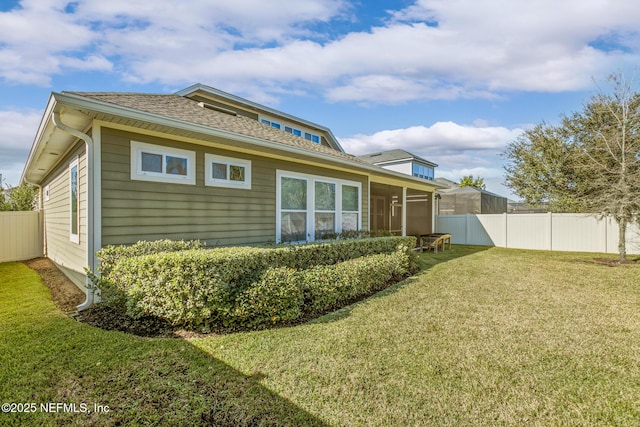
(350, 208)
(293, 209)
(311, 207)
(325, 209)
(162, 164)
(292, 130)
(223, 171)
(424, 172)
(74, 218)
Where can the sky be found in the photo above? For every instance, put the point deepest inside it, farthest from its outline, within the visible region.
(453, 81)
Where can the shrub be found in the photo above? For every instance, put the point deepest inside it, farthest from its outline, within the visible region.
(328, 253)
(110, 293)
(247, 286)
(275, 298)
(327, 287)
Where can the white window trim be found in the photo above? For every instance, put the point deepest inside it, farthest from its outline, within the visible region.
(75, 238)
(136, 164)
(311, 208)
(209, 180)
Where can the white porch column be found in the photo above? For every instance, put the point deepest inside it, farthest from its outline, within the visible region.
(404, 211)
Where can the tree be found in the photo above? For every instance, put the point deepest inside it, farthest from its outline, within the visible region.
(590, 162)
(20, 198)
(469, 181)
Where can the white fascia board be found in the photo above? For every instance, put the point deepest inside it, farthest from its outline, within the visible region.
(36, 147)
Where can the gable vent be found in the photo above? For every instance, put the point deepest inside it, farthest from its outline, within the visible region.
(216, 108)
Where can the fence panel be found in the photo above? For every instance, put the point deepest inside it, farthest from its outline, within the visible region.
(574, 232)
(529, 231)
(561, 232)
(20, 235)
(456, 225)
(487, 230)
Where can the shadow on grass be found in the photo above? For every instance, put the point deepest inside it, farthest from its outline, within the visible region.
(47, 357)
(426, 261)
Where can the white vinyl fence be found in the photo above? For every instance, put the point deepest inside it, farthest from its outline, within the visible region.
(546, 231)
(20, 235)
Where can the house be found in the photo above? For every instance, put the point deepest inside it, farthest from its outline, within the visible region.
(419, 208)
(456, 200)
(116, 168)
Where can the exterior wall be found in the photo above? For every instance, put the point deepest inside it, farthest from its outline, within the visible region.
(135, 210)
(546, 231)
(20, 235)
(70, 256)
(404, 168)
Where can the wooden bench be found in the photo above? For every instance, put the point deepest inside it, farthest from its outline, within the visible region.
(434, 241)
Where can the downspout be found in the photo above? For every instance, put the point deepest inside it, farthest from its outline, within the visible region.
(90, 204)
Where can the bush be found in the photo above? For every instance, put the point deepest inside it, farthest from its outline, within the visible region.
(327, 287)
(275, 298)
(246, 286)
(110, 293)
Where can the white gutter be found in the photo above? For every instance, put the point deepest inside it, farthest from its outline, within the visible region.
(90, 202)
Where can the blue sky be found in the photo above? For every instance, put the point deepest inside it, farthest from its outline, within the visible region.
(453, 81)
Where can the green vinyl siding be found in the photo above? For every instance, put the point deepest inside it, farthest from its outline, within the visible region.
(70, 256)
(135, 210)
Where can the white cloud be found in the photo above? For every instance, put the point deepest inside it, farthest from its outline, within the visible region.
(39, 40)
(473, 51)
(439, 139)
(433, 49)
(18, 130)
(458, 150)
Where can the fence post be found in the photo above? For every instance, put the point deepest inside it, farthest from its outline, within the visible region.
(506, 230)
(550, 231)
(606, 234)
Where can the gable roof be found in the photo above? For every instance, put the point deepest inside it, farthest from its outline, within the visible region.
(177, 115)
(188, 110)
(393, 156)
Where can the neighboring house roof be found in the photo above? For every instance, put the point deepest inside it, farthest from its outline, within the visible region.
(447, 182)
(394, 156)
(467, 189)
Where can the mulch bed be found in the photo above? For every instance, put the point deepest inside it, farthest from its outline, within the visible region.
(610, 262)
(66, 295)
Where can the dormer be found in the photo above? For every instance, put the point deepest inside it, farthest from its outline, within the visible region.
(216, 99)
(404, 162)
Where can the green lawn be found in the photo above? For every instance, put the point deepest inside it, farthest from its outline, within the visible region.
(480, 337)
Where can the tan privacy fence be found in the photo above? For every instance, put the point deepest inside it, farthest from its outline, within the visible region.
(546, 231)
(20, 235)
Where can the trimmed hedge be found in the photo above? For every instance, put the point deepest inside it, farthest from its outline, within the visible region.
(108, 256)
(251, 287)
(327, 287)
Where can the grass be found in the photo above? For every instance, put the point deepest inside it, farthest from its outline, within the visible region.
(483, 336)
